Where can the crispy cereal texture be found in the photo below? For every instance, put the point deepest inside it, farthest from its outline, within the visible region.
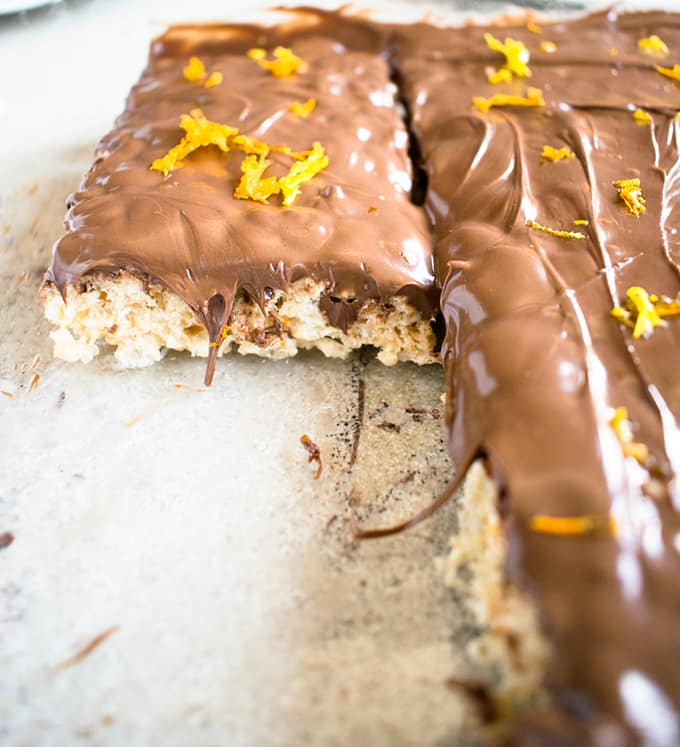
(511, 650)
(143, 321)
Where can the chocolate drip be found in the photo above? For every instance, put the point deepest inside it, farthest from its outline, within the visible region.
(535, 363)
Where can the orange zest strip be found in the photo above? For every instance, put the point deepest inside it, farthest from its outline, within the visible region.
(652, 45)
(314, 161)
(642, 117)
(554, 231)
(621, 425)
(254, 185)
(284, 64)
(515, 53)
(214, 79)
(222, 337)
(534, 97)
(200, 133)
(572, 526)
(195, 72)
(554, 154)
(670, 72)
(630, 192)
(302, 109)
(642, 311)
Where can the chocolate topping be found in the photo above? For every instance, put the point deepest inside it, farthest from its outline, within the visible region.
(535, 363)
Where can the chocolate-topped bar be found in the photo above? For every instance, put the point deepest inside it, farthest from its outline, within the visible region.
(169, 211)
(258, 191)
(573, 407)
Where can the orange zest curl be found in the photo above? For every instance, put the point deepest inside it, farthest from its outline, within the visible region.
(304, 169)
(224, 333)
(499, 76)
(653, 45)
(254, 185)
(515, 53)
(554, 231)
(624, 432)
(670, 72)
(302, 109)
(250, 146)
(642, 117)
(534, 97)
(554, 154)
(214, 79)
(284, 64)
(642, 311)
(200, 133)
(572, 526)
(631, 194)
(195, 72)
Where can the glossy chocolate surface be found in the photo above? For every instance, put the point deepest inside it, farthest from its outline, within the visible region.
(536, 364)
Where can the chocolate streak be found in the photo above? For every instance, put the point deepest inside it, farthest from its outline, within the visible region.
(534, 362)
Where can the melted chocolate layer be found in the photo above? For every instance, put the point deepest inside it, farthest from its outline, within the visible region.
(535, 364)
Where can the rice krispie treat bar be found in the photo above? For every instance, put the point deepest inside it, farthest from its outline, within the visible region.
(255, 192)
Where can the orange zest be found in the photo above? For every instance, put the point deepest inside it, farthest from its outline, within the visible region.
(515, 53)
(554, 154)
(499, 76)
(630, 192)
(284, 63)
(622, 426)
(312, 162)
(534, 97)
(200, 133)
(302, 109)
(214, 79)
(554, 231)
(572, 526)
(642, 117)
(652, 45)
(254, 185)
(195, 72)
(670, 72)
(642, 311)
